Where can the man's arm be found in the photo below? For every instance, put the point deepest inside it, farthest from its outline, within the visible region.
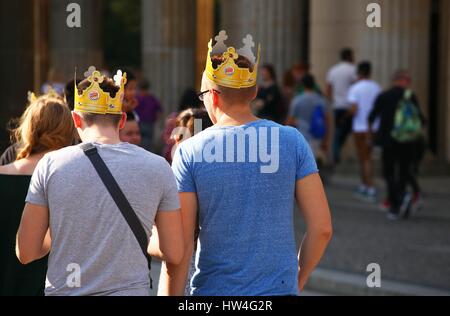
(314, 208)
(174, 276)
(33, 240)
(167, 237)
(374, 114)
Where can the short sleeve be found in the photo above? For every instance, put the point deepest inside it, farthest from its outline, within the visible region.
(353, 95)
(330, 77)
(37, 192)
(169, 200)
(182, 169)
(306, 163)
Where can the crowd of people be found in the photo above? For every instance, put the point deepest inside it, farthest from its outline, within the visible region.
(96, 197)
(354, 104)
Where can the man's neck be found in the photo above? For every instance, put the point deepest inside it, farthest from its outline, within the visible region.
(95, 134)
(236, 116)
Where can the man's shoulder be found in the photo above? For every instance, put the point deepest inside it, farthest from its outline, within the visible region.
(198, 140)
(66, 152)
(299, 99)
(139, 154)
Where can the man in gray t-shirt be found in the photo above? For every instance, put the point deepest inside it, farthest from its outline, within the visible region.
(70, 214)
(302, 111)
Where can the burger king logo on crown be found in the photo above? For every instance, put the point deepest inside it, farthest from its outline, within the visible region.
(229, 71)
(94, 95)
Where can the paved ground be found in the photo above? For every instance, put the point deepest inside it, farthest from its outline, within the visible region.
(416, 251)
(413, 252)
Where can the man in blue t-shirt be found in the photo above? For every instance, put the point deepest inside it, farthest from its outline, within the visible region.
(241, 176)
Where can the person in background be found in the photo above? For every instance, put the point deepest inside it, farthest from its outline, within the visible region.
(188, 100)
(54, 82)
(149, 111)
(131, 133)
(189, 123)
(130, 101)
(400, 158)
(308, 109)
(269, 101)
(339, 79)
(299, 71)
(45, 126)
(362, 96)
(288, 88)
(10, 154)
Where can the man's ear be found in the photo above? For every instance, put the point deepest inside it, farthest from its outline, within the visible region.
(215, 98)
(76, 119)
(123, 120)
(255, 93)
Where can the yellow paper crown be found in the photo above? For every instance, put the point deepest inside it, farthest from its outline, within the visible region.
(50, 93)
(228, 74)
(94, 100)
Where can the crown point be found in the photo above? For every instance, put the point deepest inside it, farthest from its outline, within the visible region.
(90, 71)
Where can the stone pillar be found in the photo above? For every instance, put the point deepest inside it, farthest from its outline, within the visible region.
(75, 47)
(444, 84)
(16, 60)
(401, 42)
(168, 30)
(204, 32)
(277, 25)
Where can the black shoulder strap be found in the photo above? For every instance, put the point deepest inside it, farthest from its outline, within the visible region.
(119, 198)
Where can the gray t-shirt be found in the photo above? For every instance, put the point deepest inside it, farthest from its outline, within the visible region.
(302, 109)
(87, 229)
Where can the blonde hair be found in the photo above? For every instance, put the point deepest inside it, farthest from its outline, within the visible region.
(45, 125)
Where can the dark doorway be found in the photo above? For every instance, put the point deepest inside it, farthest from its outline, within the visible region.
(305, 30)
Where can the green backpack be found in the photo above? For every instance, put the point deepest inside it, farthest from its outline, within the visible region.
(407, 122)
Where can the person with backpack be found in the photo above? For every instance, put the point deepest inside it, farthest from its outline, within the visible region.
(400, 135)
(309, 114)
(362, 97)
(92, 207)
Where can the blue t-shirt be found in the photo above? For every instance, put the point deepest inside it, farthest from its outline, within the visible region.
(245, 180)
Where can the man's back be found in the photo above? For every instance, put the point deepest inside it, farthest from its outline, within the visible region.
(88, 231)
(246, 198)
(385, 108)
(363, 94)
(341, 77)
(303, 107)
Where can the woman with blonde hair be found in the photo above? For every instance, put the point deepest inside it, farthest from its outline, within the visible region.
(46, 125)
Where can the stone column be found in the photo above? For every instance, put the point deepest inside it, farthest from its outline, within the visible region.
(444, 84)
(168, 43)
(75, 47)
(16, 60)
(277, 25)
(401, 42)
(204, 32)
